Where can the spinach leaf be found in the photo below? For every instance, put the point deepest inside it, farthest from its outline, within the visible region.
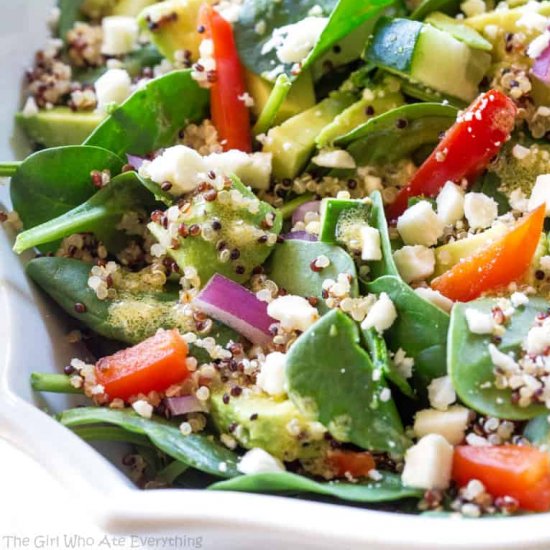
(387, 489)
(152, 117)
(420, 330)
(330, 378)
(111, 433)
(426, 7)
(100, 214)
(537, 431)
(377, 218)
(129, 318)
(378, 351)
(69, 14)
(472, 371)
(290, 267)
(51, 182)
(275, 15)
(197, 451)
(417, 90)
(383, 139)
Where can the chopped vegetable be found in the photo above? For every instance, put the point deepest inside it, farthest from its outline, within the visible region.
(351, 463)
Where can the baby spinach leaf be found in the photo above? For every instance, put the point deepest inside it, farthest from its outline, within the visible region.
(152, 116)
(470, 364)
(129, 318)
(386, 138)
(290, 267)
(537, 431)
(420, 330)
(387, 489)
(100, 214)
(378, 351)
(197, 451)
(51, 182)
(426, 7)
(69, 14)
(275, 15)
(111, 433)
(330, 378)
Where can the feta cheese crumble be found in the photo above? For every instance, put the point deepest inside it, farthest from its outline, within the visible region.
(293, 312)
(480, 210)
(120, 35)
(441, 393)
(414, 263)
(272, 378)
(113, 87)
(381, 315)
(419, 224)
(258, 461)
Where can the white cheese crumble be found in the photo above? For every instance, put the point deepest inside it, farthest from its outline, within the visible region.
(293, 43)
(370, 244)
(441, 393)
(519, 299)
(451, 424)
(30, 109)
(337, 158)
(415, 263)
(450, 203)
(473, 7)
(381, 315)
(478, 322)
(272, 377)
(540, 194)
(538, 338)
(480, 210)
(293, 312)
(120, 35)
(435, 297)
(258, 461)
(419, 224)
(112, 87)
(252, 169)
(532, 21)
(428, 464)
(538, 45)
(502, 360)
(143, 408)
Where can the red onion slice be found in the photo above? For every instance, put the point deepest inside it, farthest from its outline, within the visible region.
(135, 162)
(299, 236)
(235, 306)
(184, 405)
(299, 214)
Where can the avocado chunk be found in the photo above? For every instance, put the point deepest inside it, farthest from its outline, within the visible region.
(131, 8)
(59, 126)
(300, 98)
(228, 232)
(172, 26)
(375, 101)
(273, 425)
(96, 9)
(293, 142)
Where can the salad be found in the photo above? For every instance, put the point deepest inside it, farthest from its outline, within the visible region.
(305, 242)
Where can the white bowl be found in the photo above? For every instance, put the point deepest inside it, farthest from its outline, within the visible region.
(32, 337)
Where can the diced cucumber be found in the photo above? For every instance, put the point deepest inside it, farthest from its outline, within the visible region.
(424, 54)
(340, 218)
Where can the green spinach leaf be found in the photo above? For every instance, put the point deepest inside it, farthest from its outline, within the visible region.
(197, 451)
(100, 214)
(51, 182)
(290, 267)
(420, 330)
(383, 139)
(152, 117)
(426, 7)
(537, 431)
(330, 378)
(387, 489)
(470, 364)
(69, 14)
(377, 218)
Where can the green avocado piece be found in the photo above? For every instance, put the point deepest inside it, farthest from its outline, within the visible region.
(374, 102)
(262, 421)
(236, 233)
(131, 8)
(293, 142)
(59, 126)
(172, 26)
(96, 9)
(300, 98)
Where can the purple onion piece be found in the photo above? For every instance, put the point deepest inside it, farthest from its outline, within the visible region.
(184, 405)
(235, 306)
(299, 214)
(299, 236)
(135, 162)
(541, 66)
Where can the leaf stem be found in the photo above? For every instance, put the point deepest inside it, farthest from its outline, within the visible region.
(170, 473)
(273, 104)
(54, 383)
(8, 169)
(289, 207)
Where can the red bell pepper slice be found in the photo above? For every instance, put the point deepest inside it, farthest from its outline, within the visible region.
(152, 365)
(517, 471)
(465, 150)
(229, 113)
(356, 464)
(498, 264)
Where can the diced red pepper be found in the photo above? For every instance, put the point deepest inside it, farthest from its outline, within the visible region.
(500, 263)
(152, 365)
(229, 113)
(516, 471)
(356, 464)
(465, 150)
